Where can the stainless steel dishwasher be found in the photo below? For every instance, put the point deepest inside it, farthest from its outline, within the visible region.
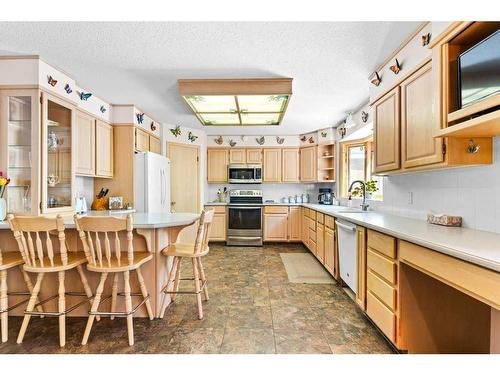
(347, 238)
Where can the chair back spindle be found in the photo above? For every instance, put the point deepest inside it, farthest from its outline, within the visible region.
(93, 230)
(201, 242)
(31, 233)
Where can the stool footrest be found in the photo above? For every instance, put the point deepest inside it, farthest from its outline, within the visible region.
(68, 310)
(120, 313)
(19, 303)
(203, 284)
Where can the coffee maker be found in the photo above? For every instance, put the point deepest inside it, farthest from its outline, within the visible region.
(325, 196)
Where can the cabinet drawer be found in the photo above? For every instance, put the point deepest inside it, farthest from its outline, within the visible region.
(275, 209)
(320, 218)
(383, 267)
(384, 318)
(382, 243)
(330, 222)
(312, 246)
(312, 224)
(312, 235)
(311, 214)
(385, 292)
(217, 209)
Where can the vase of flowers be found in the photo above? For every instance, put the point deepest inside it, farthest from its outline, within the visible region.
(4, 181)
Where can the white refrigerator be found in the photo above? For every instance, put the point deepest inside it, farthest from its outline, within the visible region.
(151, 183)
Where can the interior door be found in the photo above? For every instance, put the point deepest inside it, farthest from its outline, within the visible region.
(184, 177)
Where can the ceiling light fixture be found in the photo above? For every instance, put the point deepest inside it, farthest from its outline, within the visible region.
(235, 102)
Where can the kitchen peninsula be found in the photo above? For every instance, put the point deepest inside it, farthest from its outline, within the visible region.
(152, 233)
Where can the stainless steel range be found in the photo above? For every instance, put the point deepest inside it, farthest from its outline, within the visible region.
(244, 224)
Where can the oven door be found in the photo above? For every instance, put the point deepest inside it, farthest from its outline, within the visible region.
(244, 225)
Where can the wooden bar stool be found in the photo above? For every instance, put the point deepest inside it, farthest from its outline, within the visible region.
(194, 251)
(100, 259)
(40, 256)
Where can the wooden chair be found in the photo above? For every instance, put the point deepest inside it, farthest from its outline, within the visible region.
(194, 251)
(40, 257)
(100, 259)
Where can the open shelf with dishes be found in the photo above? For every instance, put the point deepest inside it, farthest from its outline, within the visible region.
(326, 162)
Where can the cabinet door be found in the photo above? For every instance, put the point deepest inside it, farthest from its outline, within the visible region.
(330, 250)
(154, 144)
(290, 165)
(104, 149)
(254, 155)
(237, 156)
(361, 292)
(272, 165)
(386, 132)
(218, 228)
(217, 160)
(275, 227)
(308, 164)
(85, 144)
(305, 226)
(141, 140)
(294, 224)
(320, 242)
(418, 121)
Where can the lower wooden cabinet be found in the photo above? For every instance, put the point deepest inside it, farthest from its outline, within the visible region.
(361, 267)
(304, 229)
(330, 250)
(275, 227)
(282, 223)
(320, 242)
(219, 223)
(294, 224)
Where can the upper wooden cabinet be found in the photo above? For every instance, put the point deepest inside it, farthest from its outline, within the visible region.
(104, 149)
(290, 161)
(141, 140)
(308, 164)
(237, 156)
(85, 144)
(386, 130)
(217, 162)
(418, 120)
(154, 144)
(254, 155)
(272, 165)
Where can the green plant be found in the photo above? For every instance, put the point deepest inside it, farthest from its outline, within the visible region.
(370, 185)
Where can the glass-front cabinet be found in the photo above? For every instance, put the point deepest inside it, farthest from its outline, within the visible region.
(19, 149)
(36, 146)
(58, 118)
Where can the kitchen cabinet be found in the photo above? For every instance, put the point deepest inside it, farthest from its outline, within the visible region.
(272, 165)
(290, 165)
(85, 144)
(219, 224)
(320, 242)
(104, 149)
(308, 164)
(418, 120)
(254, 155)
(154, 144)
(294, 224)
(305, 227)
(237, 156)
(361, 267)
(217, 162)
(141, 140)
(330, 250)
(386, 129)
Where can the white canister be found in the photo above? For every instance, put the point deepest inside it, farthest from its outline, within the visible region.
(3, 209)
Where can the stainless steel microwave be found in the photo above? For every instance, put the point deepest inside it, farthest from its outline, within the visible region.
(245, 173)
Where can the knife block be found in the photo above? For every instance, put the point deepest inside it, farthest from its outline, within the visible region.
(100, 204)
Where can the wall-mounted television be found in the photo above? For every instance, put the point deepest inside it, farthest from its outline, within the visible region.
(479, 71)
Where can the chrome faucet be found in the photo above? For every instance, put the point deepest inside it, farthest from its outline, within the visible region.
(364, 206)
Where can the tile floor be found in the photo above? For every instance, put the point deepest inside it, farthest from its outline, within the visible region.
(252, 309)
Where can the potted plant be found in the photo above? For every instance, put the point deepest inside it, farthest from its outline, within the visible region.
(371, 187)
(4, 181)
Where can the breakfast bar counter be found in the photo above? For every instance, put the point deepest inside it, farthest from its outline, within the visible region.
(152, 233)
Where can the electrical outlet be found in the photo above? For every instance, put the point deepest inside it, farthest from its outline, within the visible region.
(410, 197)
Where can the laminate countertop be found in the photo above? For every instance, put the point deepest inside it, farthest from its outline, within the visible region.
(141, 220)
(474, 246)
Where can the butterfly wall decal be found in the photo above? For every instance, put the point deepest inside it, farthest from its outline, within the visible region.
(51, 81)
(280, 140)
(364, 116)
(219, 140)
(396, 68)
(85, 96)
(192, 137)
(232, 143)
(68, 89)
(260, 140)
(176, 131)
(102, 109)
(324, 134)
(376, 81)
(311, 140)
(140, 117)
(303, 138)
(426, 38)
(153, 126)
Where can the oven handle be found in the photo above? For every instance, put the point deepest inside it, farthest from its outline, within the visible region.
(246, 208)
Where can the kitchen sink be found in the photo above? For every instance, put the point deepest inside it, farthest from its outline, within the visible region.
(353, 211)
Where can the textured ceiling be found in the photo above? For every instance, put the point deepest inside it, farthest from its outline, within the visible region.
(140, 62)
